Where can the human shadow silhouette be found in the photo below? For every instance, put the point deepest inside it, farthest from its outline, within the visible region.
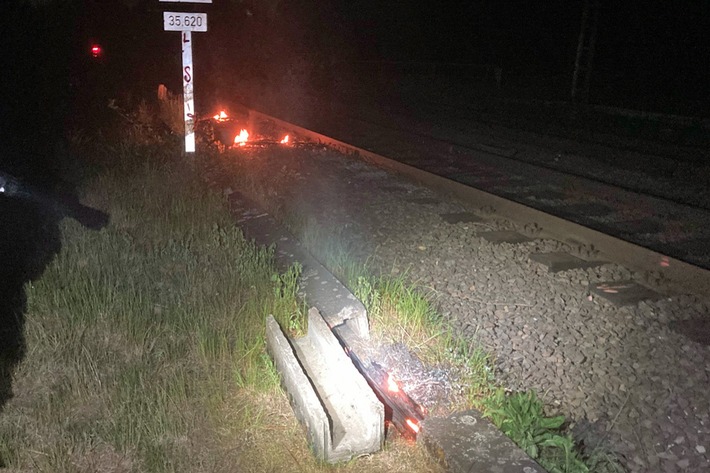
(29, 239)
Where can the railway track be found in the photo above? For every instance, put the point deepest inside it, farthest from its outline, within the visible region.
(667, 242)
(627, 373)
(665, 150)
(556, 160)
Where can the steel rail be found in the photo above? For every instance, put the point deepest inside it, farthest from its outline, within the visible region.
(675, 276)
(511, 154)
(461, 113)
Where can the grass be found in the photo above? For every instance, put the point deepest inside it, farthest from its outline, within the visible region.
(145, 340)
(137, 324)
(399, 311)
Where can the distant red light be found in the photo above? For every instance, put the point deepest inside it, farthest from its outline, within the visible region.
(96, 50)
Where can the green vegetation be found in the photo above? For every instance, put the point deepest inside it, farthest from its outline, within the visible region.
(133, 332)
(520, 416)
(400, 312)
(145, 340)
(293, 315)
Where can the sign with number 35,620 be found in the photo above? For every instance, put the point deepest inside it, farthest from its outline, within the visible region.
(181, 21)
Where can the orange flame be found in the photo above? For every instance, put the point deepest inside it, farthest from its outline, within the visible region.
(392, 384)
(241, 138)
(222, 115)
(413, 425)
(284, 141)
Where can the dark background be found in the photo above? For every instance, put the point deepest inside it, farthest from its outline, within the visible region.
(651, 55)
(289, 56)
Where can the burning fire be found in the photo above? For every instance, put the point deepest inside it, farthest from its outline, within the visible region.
(221, 116)
(392, 384)
(241, 138)
(413, 425)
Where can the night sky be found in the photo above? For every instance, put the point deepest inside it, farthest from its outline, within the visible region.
(651, 54)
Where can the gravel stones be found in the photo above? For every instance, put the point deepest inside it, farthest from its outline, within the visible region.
(627, 378)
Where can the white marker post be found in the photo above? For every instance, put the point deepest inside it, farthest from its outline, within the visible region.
(188, 97)
(186, 23)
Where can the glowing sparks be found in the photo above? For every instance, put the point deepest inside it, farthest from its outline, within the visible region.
(392, 384)
(241, 138)
(221, 116)
(284, 141)
(413, 425)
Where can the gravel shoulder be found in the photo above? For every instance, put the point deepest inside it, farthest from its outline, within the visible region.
(630, 378)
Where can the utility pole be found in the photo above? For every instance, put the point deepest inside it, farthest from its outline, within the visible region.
(585, 52)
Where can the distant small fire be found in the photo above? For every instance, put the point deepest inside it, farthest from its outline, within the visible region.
(221, 116)
(242, 138)
(225, 125)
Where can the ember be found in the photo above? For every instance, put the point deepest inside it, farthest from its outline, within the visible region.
(413, 425)
(392, 384)
(401, 409)
(284, 141)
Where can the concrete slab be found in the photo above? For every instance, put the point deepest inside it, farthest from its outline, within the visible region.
(304, 400)
(623, 293)
(317, 285)
(342, 416)
(465, 442)
(557, 262)
(504, 236)
(460, 217)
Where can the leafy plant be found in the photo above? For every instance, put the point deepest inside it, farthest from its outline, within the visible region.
(521, 417)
